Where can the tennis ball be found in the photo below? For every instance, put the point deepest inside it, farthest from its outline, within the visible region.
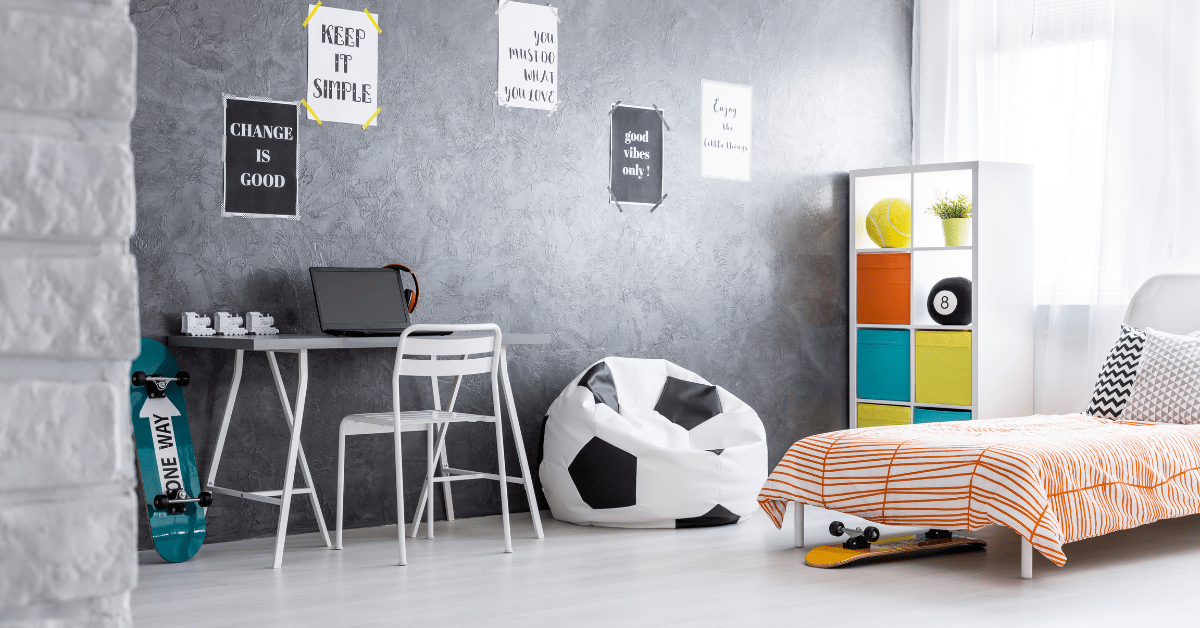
(889, 223)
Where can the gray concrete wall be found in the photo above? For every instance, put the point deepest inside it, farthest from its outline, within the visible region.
(504, 214)
(68, 313)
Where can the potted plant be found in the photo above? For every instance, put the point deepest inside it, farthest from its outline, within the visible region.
(955, 212)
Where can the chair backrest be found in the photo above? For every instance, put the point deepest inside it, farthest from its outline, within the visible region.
(463, 341)
(1169, 303)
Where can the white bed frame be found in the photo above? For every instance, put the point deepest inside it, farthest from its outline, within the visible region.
(1169, 303)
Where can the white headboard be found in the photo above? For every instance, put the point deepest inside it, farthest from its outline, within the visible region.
(1169, 303)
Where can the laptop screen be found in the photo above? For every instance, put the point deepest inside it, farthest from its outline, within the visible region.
(359, 299)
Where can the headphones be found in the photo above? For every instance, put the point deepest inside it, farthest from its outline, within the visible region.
(409, 295)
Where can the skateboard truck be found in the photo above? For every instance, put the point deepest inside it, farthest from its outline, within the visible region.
(157, 386)
(176, 500)
(860, 538)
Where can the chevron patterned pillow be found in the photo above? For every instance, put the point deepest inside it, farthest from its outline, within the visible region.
(1167, 386)
(1116, 377)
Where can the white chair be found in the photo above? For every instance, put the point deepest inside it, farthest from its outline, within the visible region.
(467, 340)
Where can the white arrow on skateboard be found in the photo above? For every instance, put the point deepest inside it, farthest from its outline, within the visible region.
(160, 410)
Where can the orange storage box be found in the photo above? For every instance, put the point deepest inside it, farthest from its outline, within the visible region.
(883, 288)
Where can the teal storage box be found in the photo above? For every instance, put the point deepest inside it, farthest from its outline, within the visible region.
(884, 364)
(926, 415)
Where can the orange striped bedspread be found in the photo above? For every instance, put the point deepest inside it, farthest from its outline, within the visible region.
(1052, 479)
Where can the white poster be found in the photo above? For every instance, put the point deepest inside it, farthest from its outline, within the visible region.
(343, 66)
(725, 130)
(528, 55)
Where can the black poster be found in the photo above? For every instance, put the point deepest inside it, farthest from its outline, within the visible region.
(635, 163)
(260, 158)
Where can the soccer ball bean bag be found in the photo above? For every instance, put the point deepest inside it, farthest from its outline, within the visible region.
(646, 444)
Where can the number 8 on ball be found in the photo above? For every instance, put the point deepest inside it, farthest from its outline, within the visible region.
(949, 301)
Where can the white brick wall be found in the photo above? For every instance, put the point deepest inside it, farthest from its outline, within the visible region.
(77, 307)
(68, 313)
(63, 64)
(65, 434)
(65, 189)
(67, 550)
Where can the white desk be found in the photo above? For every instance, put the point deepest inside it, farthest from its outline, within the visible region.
(300, 344)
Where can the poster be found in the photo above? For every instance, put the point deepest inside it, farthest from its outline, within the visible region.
(635, 155)
(725, 126)
(528, 55)
(259, 153)
(343, 66)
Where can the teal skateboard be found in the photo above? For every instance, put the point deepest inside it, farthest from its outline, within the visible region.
(174, 503)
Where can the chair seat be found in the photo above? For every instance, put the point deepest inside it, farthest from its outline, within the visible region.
(413, 421)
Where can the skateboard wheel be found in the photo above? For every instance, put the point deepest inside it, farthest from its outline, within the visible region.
(837, 528)
(182, 378)
(139, 378)
(872, 534)
(205, 499)
(161, 502)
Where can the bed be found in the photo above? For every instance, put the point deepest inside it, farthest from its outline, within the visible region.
(1052, 479)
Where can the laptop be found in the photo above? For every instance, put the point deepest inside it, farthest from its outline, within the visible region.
(360, 301)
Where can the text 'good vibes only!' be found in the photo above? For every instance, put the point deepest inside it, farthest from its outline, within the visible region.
(633, 152)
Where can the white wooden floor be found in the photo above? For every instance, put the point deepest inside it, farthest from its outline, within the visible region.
(739, 575)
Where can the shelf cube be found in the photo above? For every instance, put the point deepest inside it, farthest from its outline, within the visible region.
(884, 288)
(883, 365)
(943, 364)
(929, 415)
(872, 414)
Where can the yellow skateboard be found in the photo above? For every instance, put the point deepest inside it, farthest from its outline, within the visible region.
(865, 544)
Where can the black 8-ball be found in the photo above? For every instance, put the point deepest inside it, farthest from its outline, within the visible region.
(949, 301)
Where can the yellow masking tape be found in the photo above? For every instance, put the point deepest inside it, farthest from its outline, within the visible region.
(314, 114)
(310, 14)
(376, 24)
(377, 110)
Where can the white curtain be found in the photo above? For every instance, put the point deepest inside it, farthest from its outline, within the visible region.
(1103, 98)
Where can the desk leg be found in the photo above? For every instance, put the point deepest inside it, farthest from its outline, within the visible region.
(238, 356)
(427, 487)
(441, 455)
(287, 413)
(430, 462)
(293, 454)
(519, 441)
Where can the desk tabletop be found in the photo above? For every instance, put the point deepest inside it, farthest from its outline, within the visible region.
(292, 342)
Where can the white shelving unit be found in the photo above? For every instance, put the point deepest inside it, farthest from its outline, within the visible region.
(997, 261)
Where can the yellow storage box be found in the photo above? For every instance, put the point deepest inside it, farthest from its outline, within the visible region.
(943, 367)
(873, 414)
